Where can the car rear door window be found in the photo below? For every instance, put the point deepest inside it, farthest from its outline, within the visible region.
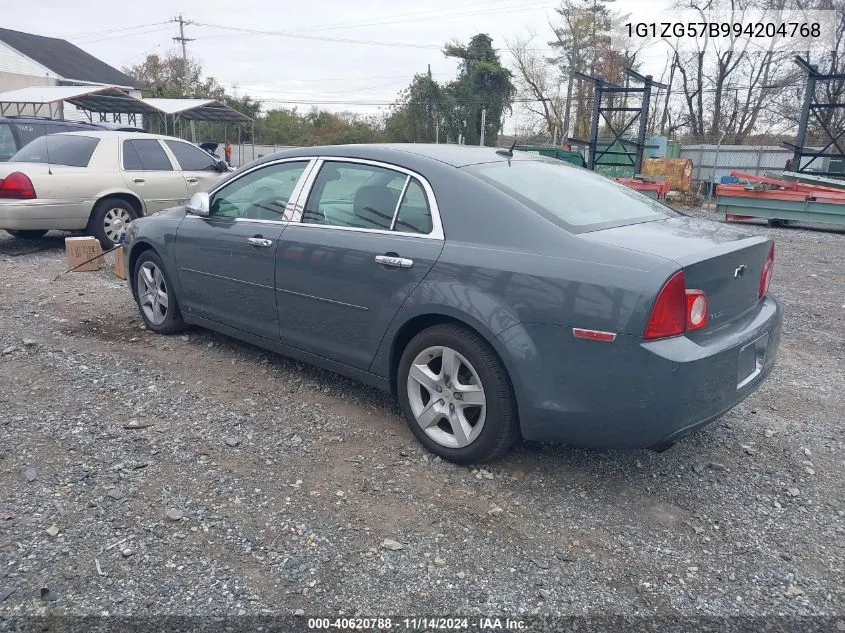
(414, 212)
(131, 158)
(150, 154)
(191, 158)
(59, 149)
(354, 195)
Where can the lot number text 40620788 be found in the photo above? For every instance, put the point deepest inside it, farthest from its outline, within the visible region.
(417, 624)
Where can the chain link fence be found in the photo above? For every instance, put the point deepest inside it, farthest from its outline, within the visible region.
(247, 152)
(711, 162)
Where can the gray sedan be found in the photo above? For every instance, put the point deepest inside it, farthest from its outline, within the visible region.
(498, 295)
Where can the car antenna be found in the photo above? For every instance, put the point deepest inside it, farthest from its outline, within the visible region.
(509, 151)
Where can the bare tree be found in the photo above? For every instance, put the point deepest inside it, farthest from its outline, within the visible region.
(538, 82)
(575, 39)
(726, 87)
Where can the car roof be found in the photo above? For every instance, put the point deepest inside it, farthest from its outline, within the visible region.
(454, 155)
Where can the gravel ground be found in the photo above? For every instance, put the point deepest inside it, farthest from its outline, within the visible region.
(194, 474)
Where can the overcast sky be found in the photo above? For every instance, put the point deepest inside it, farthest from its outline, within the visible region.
(305, 66)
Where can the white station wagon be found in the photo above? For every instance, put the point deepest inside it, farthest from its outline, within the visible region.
(98, 182)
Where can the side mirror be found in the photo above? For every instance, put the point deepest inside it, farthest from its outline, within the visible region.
(199, 204)
(222, 166)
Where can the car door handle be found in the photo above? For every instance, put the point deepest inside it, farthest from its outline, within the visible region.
(191, 180)
(138, 180)
(393, 261)
(260, 242)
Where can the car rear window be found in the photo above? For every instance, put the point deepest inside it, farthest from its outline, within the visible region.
(577, 199)
(58, 149)
(7, 142)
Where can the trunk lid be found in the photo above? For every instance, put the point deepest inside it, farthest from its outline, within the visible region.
(723, 262)
(30, 169)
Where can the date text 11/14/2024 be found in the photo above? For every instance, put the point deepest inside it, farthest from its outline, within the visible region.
(417, 624)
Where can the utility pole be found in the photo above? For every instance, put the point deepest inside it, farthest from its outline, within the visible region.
(183, 41)
(567, 107)
(429, 112)
(483, 125)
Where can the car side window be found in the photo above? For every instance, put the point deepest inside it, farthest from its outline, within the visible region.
(262, 194)
(191, 158)
(7, 142)
(150, 154)
(414, 213)
(354, 195)
(28, 132)
(131, 159)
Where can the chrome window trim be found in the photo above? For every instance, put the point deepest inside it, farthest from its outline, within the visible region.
(399, 201)
(294, 195)
(298, 206)
(436, 232)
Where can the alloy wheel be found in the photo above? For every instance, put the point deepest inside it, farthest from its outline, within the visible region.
(446, 397)
(115, 222)
(152, 293)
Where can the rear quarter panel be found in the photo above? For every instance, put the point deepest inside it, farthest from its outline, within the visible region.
(503, 266)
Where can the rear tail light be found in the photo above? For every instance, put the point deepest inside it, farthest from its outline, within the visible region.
(676, 310)
(17, 186)
(766, 275)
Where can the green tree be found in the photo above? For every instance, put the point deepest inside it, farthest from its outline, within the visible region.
(173, 77)
(482, 84)
(418, 112)
(282, 126)
(317, 127)
(245, 105)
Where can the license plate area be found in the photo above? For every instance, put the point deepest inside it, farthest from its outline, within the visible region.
(752, 358)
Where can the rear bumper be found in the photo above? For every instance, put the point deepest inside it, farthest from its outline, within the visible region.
(43, 214)
(632, 393)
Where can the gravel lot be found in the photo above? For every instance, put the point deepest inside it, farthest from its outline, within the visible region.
(197, 475)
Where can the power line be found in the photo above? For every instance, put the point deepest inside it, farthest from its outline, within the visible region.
(437, 14)
(117, 30)
(322, 79)
(340, 40)
(113, 35)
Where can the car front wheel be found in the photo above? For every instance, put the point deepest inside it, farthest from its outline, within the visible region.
(155, 295)
(456, 396)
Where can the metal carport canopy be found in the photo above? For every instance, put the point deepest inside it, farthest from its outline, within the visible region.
(93, 99)
(198, 110)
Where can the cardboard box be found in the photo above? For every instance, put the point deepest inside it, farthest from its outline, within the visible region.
(81, 249)
(119, 263)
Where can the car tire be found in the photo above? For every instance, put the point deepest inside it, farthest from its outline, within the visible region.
(109, 219)
(449, 426)
(27, 235)
(155, 295)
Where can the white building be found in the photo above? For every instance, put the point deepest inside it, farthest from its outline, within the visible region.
(28, 60)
